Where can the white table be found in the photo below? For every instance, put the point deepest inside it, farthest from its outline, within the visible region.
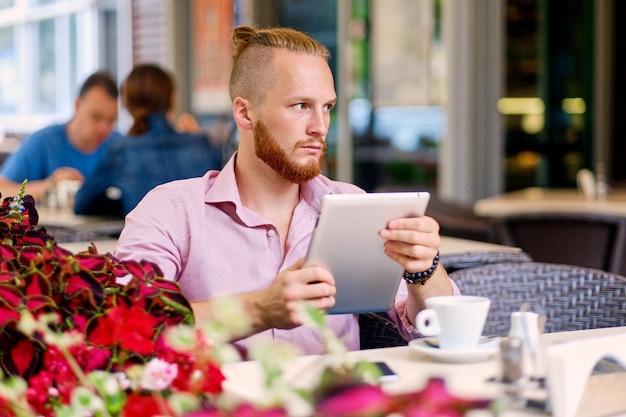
(66, 218)
(452, 245)
(541, 200)
(449, 245)
(244, 379)
(103, 246)
(69, 227)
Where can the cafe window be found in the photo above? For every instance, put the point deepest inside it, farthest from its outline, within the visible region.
(47, 48)
(396, 112)
(548, 104)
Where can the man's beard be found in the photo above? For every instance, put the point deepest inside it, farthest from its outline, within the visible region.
(269, 151)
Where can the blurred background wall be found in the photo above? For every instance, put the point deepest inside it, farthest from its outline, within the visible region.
(464, 98)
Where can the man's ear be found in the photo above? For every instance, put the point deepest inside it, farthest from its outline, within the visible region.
(241, 113)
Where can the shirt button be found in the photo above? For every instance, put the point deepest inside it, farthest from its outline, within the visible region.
(271, 233)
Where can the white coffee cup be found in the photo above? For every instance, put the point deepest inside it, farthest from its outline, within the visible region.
(456, 320)
(65, 192)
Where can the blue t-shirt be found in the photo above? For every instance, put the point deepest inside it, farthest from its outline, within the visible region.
(136, 164)
(40, 153)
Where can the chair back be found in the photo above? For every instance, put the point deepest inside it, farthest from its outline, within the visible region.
(584, 239)
(573, 297)
(378, 330)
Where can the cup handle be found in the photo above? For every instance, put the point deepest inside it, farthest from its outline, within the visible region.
(427, 323)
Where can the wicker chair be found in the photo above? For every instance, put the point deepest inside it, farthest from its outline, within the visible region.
(573, 297)
(379, 331)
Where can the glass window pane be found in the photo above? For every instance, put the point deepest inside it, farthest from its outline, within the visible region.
(45, 85)
(44, 2)
(9, 82)
(7, 4)
(75, 64)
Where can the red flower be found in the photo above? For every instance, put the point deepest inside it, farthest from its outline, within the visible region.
(91, 358)
(248, 410)
(138, 405)
(133, 329)
(436, 400)
(244, 410)
(198, 373)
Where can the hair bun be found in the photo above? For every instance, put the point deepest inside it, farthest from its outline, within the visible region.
(241, 37)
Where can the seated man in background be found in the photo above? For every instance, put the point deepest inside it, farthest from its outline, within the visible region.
(68, 151)
(152, 153)
(245, 230)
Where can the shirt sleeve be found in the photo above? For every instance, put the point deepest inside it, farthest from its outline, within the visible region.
(400, 316)
(27, 162)
(152, 232)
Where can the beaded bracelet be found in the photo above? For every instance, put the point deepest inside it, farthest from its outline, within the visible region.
(424, 276)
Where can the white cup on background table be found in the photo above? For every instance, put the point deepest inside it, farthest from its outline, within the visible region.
(65, 192)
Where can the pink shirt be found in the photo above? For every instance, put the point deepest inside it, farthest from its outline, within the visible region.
(198, 233)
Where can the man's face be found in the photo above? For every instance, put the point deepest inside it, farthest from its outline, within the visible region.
(290, 133)
(96, 114)
(284, 161)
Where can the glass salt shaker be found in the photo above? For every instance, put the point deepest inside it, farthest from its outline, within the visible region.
(512, 376)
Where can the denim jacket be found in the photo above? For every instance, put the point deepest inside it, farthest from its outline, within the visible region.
(136, 164)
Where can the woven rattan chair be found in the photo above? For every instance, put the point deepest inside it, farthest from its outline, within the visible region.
(379, 331)
(574, 298)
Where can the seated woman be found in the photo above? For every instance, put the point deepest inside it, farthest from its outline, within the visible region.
(151, 154)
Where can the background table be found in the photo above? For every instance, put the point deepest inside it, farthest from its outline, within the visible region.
(561, 226)
(532, 200)
(66, 226)
(453, 245)
(103, 246)
(449, 245)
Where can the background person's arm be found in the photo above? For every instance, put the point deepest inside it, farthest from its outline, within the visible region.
(37, 188)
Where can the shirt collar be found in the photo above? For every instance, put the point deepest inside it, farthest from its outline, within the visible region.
(224, 188)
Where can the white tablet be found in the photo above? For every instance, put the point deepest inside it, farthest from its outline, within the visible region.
(346, 242)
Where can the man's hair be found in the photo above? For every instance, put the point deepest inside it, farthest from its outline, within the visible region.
(147, 90)
(99, 79)
(253, 51)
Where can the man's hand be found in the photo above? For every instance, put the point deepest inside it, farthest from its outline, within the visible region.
(277, 306)
(66, 173)
(412, 242)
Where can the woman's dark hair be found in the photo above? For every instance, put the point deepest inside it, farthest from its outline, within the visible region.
(147, 90)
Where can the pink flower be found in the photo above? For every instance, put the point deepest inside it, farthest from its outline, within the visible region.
(358, 400)
(158, 375)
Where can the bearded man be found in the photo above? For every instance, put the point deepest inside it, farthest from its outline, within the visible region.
(244, 231)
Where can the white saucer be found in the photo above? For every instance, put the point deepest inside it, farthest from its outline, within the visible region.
(482, 352)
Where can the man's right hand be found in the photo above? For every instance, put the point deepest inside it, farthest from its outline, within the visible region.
(277, 306)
